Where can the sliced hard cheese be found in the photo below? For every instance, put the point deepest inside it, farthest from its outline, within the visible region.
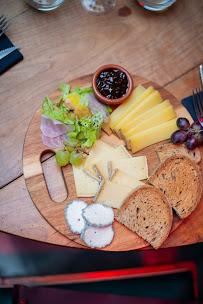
(102, 166)
(122, 178)
(124, 108)
(112, 194)
(135, 166)
(153, 135)
(145, 116)
(159, 118)
(98, 150)
(86, 186)
(146, 104)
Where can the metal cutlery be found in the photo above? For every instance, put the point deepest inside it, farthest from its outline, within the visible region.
(6, 52)
(198, 103)
(4, 24)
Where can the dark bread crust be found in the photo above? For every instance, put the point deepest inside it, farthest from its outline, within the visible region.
(167, 150)
(147, 212)
(180, 180)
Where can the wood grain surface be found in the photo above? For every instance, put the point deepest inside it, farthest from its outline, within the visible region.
(53, 212)
(66, 43)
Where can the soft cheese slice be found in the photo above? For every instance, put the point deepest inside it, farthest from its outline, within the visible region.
(86, 186)
(153, 135)
(119, 153)
(135, 166)
(146, 104)
(112, 194)
(122, 178)
(125, 107)
(145, 116)
(159, 118)
(97, 152)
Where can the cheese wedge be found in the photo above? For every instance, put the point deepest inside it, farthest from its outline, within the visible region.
(153, 135)
(159, 118)
(146, 104)
(97, 152)
(121, 178)
(112, 194)
(125, 107)
(145, 116)
(135, 166)
(119, 153)
(86, 186)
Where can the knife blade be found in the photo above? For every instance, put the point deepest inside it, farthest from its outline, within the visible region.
(6, 52)
(201, 73)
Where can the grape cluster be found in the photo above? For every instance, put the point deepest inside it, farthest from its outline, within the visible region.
(191, 134)
(71, 153)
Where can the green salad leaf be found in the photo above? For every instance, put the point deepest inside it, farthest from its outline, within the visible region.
(59, 113)
(65, 90)
(83, 93)
(109, 109)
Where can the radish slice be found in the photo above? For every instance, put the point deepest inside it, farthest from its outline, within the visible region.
(73, 216)
(97, 237)
(98, 215)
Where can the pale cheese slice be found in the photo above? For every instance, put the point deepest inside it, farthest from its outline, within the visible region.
(97, 152)
(112, 194)
(146, 104)
(159, 118)
(102, 166)
(124, 108)
(153, 135)
(122, 178)
(145, 116)
(135, 166)
(86, 186)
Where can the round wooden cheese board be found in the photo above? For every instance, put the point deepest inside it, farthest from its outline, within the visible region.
(53, 212)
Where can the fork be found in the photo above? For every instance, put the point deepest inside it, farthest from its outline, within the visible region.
(198, 103)
(4, 24)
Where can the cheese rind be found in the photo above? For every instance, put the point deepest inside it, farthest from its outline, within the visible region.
(159, 118)
(86, 186)
(153, 135)
(144, 116)
(122, 178)
(112, 194)
(97, 152)
(119, 153)
(146, 104)
(135, 166)
(124, 108)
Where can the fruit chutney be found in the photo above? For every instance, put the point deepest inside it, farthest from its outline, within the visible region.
(112, 83)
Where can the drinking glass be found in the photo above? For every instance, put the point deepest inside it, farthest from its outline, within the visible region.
(98, 7)
(45, 5)
(156, 5)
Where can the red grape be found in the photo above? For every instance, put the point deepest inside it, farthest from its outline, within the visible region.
(196, 126)
(191, 143)
(199, 138)
(183, 123)
(178, 137)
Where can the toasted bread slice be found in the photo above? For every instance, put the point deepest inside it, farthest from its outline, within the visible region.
(180, 180)
(167, 150)
(147, 212)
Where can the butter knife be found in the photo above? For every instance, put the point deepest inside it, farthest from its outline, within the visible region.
(201, 73)
(6, 52)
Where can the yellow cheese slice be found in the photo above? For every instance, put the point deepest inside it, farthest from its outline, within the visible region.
(119, 153)
(146, 104)
(112, 194)
(135, 166)
(124, 108)
(145, 116)
(153, 135)
(159, 118)
(86, 186)
(97, 152)
(124, 179)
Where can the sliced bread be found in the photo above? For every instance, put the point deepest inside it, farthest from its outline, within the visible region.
(167, 150)
(147, 212)
(179, 178)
